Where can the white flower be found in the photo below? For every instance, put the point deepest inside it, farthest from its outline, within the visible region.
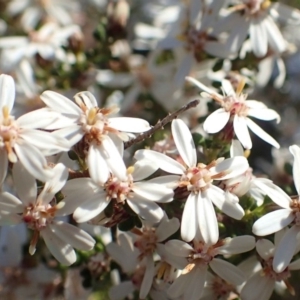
(34, 11)
(103, 136)
(193, 36)
(256, 18)
(47, 42)
(38, 212)
(21, 141)
(199, 256)
(236, 109)
(279, 219)
(140, 196)
(261, 284)
(198, 179)
(148, 241)
(246, 182)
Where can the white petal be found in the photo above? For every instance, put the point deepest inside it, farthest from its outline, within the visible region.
(236, 149)
(113, 158)
(265, 248)
(285, 251)
(227, 271)
(25, 184)
(152, 191)
(143, 169)
(227, 87)
(275, 38)
(60, 103)
(166, 228)
(134, 125)
(90, 209)
(98, 169)
(147, 210)
(73, 235)
(60, 249)
(162, 161)
(232, 167)
(196, 282)
(241, 131)
(48, 143)
(223, 201)
(184, 142)
(207, 219)
(274, 192)
(202, 87)
(41, 118)
(179, 248)
(236, 245)
(185, 65)
(258, 287)
(148, 277)
(261, 133)
(10, 203)
(7, 92)
(216, 121)
(54, 185)
(258, 37)
(87, 98)
(76, 192)
(273, 222)
(188, 221)
(295, 150)
(3, 165)
(33, 160)
(264, 114)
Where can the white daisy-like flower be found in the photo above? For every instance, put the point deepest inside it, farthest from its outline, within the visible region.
(35, 11)
(288, 214)
(148, 242)
(39, 213)
(193, 35)
(140, 196)
(199, 256)
(218, 288)
(20, 140)
(46, 42)
(198, 179)
(236, 109)
(246, 182)
(257, 18)
(102, 135)
(262, 283)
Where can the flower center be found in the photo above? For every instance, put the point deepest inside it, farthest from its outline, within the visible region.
(269, 272)
(199, 178)
(221, 288)
(38, 216)
(146, 241)
(119, 190)
(94, 122)
(295, 206)
(236, 105)
(8, 134)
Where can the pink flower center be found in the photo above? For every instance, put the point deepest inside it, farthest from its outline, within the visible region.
(9, 132)
(119, 190)
(269, 272)
(146, 241)
(38, 216)
(236, 105)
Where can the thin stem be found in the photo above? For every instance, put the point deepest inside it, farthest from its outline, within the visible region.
(160, 124)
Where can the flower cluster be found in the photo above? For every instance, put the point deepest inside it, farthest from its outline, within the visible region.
(125, 150)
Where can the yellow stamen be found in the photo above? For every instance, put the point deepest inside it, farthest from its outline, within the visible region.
(130, 170)
(92, 116)
(240, 86)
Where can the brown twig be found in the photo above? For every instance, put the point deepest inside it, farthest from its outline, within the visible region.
(160, 124)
